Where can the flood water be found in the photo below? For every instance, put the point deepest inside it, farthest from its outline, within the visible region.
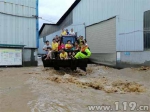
(35, 89)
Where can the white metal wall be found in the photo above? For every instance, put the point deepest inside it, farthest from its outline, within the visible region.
(129, 19)
(40, 49)
(18, 30)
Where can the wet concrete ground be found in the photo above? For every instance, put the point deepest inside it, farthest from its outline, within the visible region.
(36, 89)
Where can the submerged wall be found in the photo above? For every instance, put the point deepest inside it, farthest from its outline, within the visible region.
(127, 59)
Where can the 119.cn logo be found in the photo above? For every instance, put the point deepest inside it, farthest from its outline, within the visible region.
(132, 106)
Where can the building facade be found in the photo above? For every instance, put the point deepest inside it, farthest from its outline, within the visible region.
(117, 31)
(19, 27)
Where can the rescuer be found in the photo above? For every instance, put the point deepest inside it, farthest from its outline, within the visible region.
(84, 52)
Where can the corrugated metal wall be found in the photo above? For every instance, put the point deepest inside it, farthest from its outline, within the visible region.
(40, 49)
(18, 30)
(129, 19)
(68, 21)
(49, 29)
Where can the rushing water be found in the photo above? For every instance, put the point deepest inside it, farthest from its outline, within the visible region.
(30, 90)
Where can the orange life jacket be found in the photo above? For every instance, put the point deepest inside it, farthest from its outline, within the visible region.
(83, 48)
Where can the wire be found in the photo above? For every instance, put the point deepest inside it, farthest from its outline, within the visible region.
(130, 20)
(17, 4)
(18, 15)
(77, 24)
(33, 16)
(46, 20)
(145, 31)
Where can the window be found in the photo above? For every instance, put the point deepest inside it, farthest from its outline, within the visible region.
(147, 30)
(71, 38)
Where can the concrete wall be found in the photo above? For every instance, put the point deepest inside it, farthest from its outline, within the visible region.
(104, 58)
(133, 58)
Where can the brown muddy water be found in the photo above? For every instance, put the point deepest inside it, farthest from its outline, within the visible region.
(36, 89)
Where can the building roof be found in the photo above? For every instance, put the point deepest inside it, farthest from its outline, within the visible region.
(63, 17)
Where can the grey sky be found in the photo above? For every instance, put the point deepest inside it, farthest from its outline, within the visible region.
(52, 10)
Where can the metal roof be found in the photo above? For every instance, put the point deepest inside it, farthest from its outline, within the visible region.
(63, 17)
